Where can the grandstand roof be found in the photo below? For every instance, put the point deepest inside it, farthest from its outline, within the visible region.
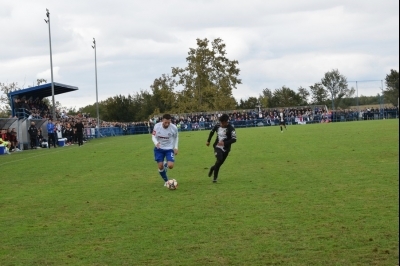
(42, 91)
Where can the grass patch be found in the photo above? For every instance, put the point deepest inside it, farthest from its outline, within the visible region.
(322, 194)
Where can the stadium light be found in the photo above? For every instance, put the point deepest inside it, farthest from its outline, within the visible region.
(97, 98)
(383, 99)
(358, 107)
(53, 112)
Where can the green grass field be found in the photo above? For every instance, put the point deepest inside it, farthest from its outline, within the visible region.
(321, 194)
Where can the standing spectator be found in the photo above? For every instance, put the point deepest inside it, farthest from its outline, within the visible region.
(50, 132)
(79, 131)
(201, 122)
(125, 129)
(33, 133)
(151, 125)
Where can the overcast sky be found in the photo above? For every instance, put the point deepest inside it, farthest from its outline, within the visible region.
(289, 43)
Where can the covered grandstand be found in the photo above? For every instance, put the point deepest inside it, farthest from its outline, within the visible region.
(37, 92)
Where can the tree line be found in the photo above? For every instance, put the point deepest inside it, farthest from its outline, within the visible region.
(206, 84)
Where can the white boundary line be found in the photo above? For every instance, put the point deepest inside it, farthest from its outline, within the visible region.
(49, 153)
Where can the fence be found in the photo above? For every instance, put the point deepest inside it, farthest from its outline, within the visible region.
(343, 116)
(255, 111)
(188, 126)
(116, 131)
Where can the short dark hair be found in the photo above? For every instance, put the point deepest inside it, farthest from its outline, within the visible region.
(166, 116)
(224, 118)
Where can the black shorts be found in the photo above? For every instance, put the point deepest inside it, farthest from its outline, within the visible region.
(220, 154)
(282, 123)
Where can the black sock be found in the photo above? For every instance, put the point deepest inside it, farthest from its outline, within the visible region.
(216, 171)
(211, 171)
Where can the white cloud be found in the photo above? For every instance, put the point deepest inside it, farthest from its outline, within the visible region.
(291, 43)
(47, 74)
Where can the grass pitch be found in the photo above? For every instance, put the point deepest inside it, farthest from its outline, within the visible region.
(321, 194)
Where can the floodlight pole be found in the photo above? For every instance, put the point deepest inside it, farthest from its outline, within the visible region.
(358, 107)
(53, 112)
(383, 100)
(97, 98)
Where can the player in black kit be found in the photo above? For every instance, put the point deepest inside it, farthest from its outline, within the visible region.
(226, 135)
(282, 120)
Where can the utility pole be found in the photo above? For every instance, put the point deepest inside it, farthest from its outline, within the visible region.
(53, 110)
(97, 98)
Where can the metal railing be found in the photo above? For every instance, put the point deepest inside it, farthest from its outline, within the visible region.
(194, 126)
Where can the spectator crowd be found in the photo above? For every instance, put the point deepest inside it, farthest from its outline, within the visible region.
(65, 125)
(32, 108)
(8, 139)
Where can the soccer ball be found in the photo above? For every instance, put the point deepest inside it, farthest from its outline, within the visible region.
(172, 184)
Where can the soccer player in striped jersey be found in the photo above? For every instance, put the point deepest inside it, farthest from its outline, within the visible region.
(226, 135)
(165, 139)
(282, 120)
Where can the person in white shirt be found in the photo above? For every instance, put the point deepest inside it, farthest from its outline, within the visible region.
(59, 130)
(202, 121)
(165, 139)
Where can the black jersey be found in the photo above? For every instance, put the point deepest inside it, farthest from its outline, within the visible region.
(79, 127)
(33, 131)
(227, 135)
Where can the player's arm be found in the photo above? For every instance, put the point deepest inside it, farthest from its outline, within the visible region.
(154, 139)
(176, 142)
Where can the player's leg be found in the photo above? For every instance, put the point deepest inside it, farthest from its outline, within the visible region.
(211, 171)
(219, 154)
(225, 155)
(159, 155)
(165, 164)
(170, 159)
